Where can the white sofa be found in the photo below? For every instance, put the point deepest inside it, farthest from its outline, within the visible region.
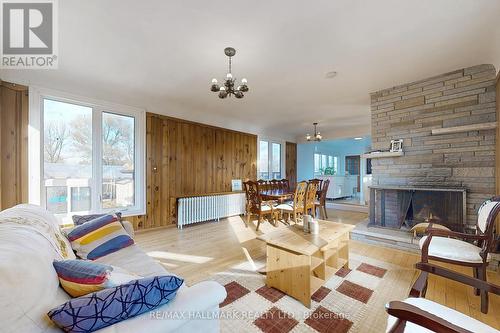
(29, 286)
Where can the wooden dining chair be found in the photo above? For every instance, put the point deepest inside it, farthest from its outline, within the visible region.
(275, 184)
(321, 203)
(255, 205)
(263, 184)
(469, 250)
(296, 207)
(318, 181)
(311, 197)
(285, 184)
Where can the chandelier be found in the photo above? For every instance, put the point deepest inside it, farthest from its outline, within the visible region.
(228, 89)
(317, 135)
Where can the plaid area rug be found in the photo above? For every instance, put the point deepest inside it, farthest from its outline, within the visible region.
(350, 301)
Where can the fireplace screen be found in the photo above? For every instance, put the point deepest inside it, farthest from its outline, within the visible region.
(403, 208)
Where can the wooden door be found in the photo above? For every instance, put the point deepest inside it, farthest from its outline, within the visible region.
(353, 167)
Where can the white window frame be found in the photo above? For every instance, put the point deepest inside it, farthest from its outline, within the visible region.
(36, 188)
(269, 150)
(321, 166)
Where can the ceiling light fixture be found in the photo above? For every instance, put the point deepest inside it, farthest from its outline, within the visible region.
(358, 139)
(317, 135)
(228, 88)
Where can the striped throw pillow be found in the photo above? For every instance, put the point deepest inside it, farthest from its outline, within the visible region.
(81, 277)
(99, 237)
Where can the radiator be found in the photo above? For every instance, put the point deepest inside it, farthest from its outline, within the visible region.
(207, 208)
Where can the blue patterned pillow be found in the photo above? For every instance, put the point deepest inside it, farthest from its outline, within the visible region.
(109, 306)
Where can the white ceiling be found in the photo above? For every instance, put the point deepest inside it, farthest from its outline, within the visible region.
(162, 55)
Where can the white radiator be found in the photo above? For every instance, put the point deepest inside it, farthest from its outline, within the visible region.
(211, 207)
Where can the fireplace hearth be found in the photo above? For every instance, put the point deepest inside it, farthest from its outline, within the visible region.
(400, 208)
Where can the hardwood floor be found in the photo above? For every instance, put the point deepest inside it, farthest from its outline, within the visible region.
(203, 249)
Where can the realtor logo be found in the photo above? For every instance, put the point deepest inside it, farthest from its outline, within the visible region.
(29, 34)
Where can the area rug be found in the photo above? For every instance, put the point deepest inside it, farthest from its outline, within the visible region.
(352, 300)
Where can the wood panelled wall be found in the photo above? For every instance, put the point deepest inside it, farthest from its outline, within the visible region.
(186, 158)
(13, 144)
(291, 163)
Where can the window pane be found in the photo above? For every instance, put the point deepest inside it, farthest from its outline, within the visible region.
(57, 199)
(118, 151)
(264, 159)
(276, 160)
(80, 199)
(323, 162)
(67, 146)
(335, 164)
(316, 163)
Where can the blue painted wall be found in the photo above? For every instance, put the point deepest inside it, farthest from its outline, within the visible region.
(340, 148)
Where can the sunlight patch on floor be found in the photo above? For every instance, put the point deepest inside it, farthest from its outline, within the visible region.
(179, 257)
(240, 230)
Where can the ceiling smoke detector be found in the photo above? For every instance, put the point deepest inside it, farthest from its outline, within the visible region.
(330, 75)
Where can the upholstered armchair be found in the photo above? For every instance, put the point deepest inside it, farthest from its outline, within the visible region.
(419, 315)
(255, 205)
(469, 250)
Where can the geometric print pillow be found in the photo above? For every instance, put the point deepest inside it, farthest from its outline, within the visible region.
(99, 237)
(109, 306)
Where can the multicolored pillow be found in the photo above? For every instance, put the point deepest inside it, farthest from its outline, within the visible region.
(110, 306)
(82, 277)
(99, 237)
(81, 219)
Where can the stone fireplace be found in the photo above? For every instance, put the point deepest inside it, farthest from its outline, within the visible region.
(447, 126)
(399, 207)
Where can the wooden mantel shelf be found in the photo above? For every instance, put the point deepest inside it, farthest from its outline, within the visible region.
(383, 154)
(465, 128)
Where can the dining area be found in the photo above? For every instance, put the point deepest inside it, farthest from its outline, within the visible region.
(277, 201)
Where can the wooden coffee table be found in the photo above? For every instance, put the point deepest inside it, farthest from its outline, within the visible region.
(299, 263)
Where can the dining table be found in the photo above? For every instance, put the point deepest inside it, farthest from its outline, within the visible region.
(280, 195)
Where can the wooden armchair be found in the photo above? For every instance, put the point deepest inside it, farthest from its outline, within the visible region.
(255, 205)
(296, 207)
(321, 203)
(417, 314)
(450, 247)
(311, 193)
